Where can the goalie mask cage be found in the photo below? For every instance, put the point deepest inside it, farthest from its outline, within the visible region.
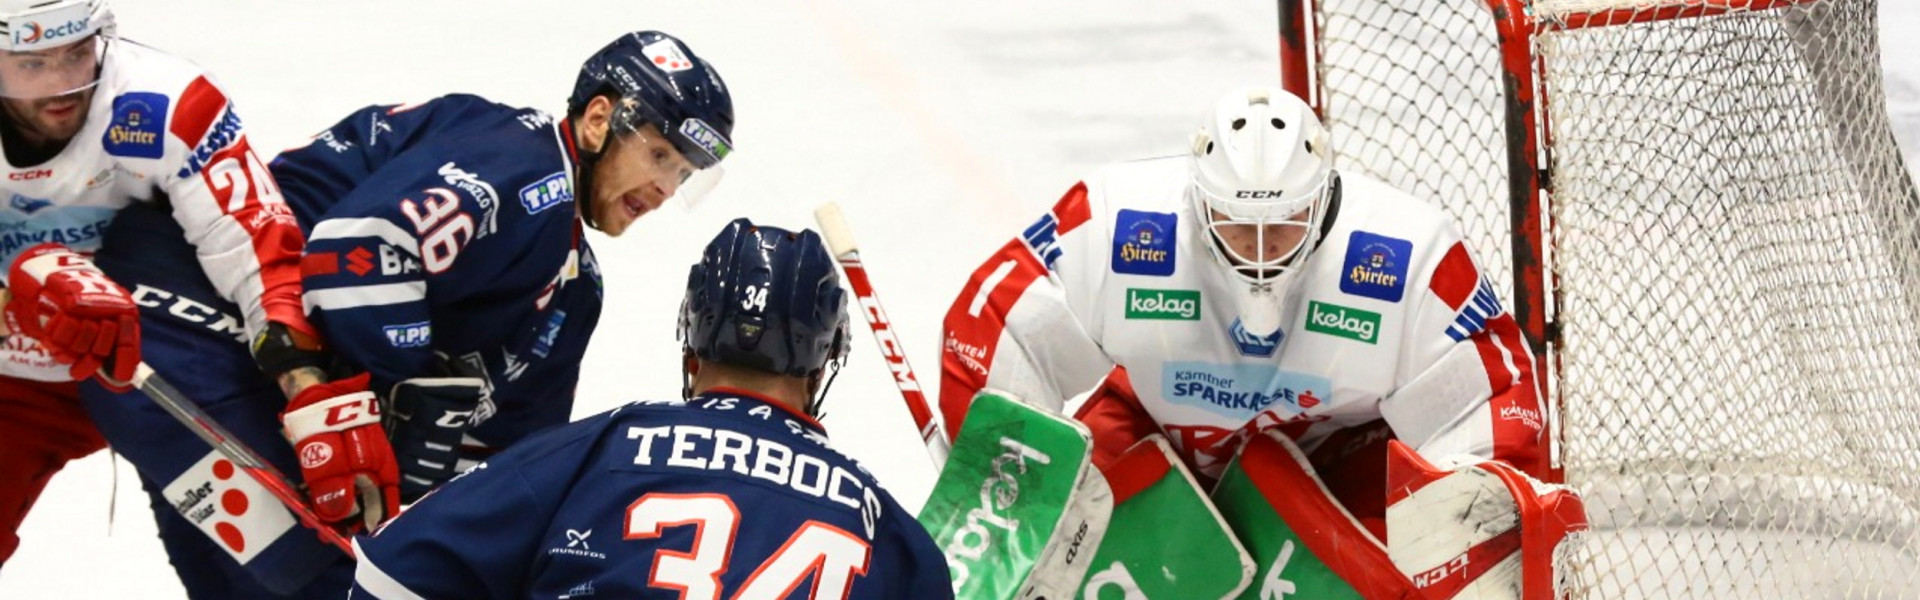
(1697, 211)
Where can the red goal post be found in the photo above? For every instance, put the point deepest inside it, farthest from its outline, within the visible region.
(1698, 214)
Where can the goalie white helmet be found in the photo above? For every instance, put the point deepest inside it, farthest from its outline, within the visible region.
(51, 47)
(1261, 182)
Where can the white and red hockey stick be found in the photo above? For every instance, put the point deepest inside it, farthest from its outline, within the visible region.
(210, 431)
(833, 227)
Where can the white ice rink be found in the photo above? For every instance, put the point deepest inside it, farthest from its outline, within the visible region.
(942, 129)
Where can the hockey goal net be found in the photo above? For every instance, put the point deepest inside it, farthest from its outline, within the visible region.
(1697, 210)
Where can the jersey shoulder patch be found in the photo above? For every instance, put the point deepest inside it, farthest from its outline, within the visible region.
(138, 120)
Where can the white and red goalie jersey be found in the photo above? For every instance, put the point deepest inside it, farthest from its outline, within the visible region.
(158, 126)
(1388, 321)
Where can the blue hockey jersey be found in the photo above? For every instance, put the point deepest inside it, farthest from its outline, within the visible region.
(449, 227)
(724, 496)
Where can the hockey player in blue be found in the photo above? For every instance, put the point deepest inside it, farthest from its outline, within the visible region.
(445, 254)
(730, 493)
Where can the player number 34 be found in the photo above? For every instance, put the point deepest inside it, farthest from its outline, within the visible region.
(830, 555)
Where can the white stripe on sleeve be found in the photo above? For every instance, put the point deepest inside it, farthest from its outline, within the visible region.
(365, 295)
(336, 229)
(377, 582)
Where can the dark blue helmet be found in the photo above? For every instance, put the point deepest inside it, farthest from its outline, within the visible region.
(657, 79)
(765, 298)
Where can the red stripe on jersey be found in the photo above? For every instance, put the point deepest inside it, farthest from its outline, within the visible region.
(967, 352)
(1455, 278)
(1519, 424)
(1137, 470)
(1072, 210)
(200, 104)
(319, 263)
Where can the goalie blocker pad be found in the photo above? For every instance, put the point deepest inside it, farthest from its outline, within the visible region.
(1481, 531)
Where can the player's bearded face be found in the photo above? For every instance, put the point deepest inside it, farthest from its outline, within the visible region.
(639, 171)
(46, 92)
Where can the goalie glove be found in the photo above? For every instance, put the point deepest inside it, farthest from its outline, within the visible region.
(344, 457)
(1481, 529)
(431, 417)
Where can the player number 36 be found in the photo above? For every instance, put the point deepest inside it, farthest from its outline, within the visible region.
(443, 228)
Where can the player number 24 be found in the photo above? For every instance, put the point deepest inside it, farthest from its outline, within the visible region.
(830, 555)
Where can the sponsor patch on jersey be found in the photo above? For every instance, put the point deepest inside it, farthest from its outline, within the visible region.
(29, 174)
(1242, 390)
(544, 344)
(224, 133)
(1473, 316)
(28, 204)
(577, 545)
(1343, 321)
(1170, 305)
(550, 191)
(1255, 344)
(409, 335)
(229, 506)
(667, 56)
(1143, 242)
(139, 119)
(1376, 266)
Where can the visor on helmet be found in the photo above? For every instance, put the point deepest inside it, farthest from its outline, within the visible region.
(699, 148)
(54, 71)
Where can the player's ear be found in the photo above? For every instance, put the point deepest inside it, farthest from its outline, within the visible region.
(594, 123)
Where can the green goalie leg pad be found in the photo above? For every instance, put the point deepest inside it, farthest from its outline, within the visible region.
(1018, 507)
(1165, 540)
(1304, 545)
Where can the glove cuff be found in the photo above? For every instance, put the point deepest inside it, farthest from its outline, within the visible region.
(338, 413)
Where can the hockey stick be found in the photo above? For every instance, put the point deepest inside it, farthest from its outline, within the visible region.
(210, 431)
(833, 226)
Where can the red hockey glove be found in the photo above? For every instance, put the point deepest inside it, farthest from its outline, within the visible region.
(344, 455)
(82, 317)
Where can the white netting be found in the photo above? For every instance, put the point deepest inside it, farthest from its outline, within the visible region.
(1737, 257)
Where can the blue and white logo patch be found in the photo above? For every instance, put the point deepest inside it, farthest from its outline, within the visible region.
(706, 138)
(28, 205)
(1241, 391)
(1043, 240)
(1483, 305)
(552, 190)
(1252, 344)
(1143, 242)
(138, 127)
(544, 344)
(1376, 266)
(409, 335)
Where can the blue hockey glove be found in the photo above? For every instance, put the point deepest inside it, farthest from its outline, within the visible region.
(431, 416)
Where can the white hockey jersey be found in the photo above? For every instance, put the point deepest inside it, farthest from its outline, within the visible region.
(1389, 318)
(159, 125)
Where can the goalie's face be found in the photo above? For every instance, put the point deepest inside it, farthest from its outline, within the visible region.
(1260, 249)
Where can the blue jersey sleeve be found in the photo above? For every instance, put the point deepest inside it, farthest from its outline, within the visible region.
(367, 269)
(910, 565)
